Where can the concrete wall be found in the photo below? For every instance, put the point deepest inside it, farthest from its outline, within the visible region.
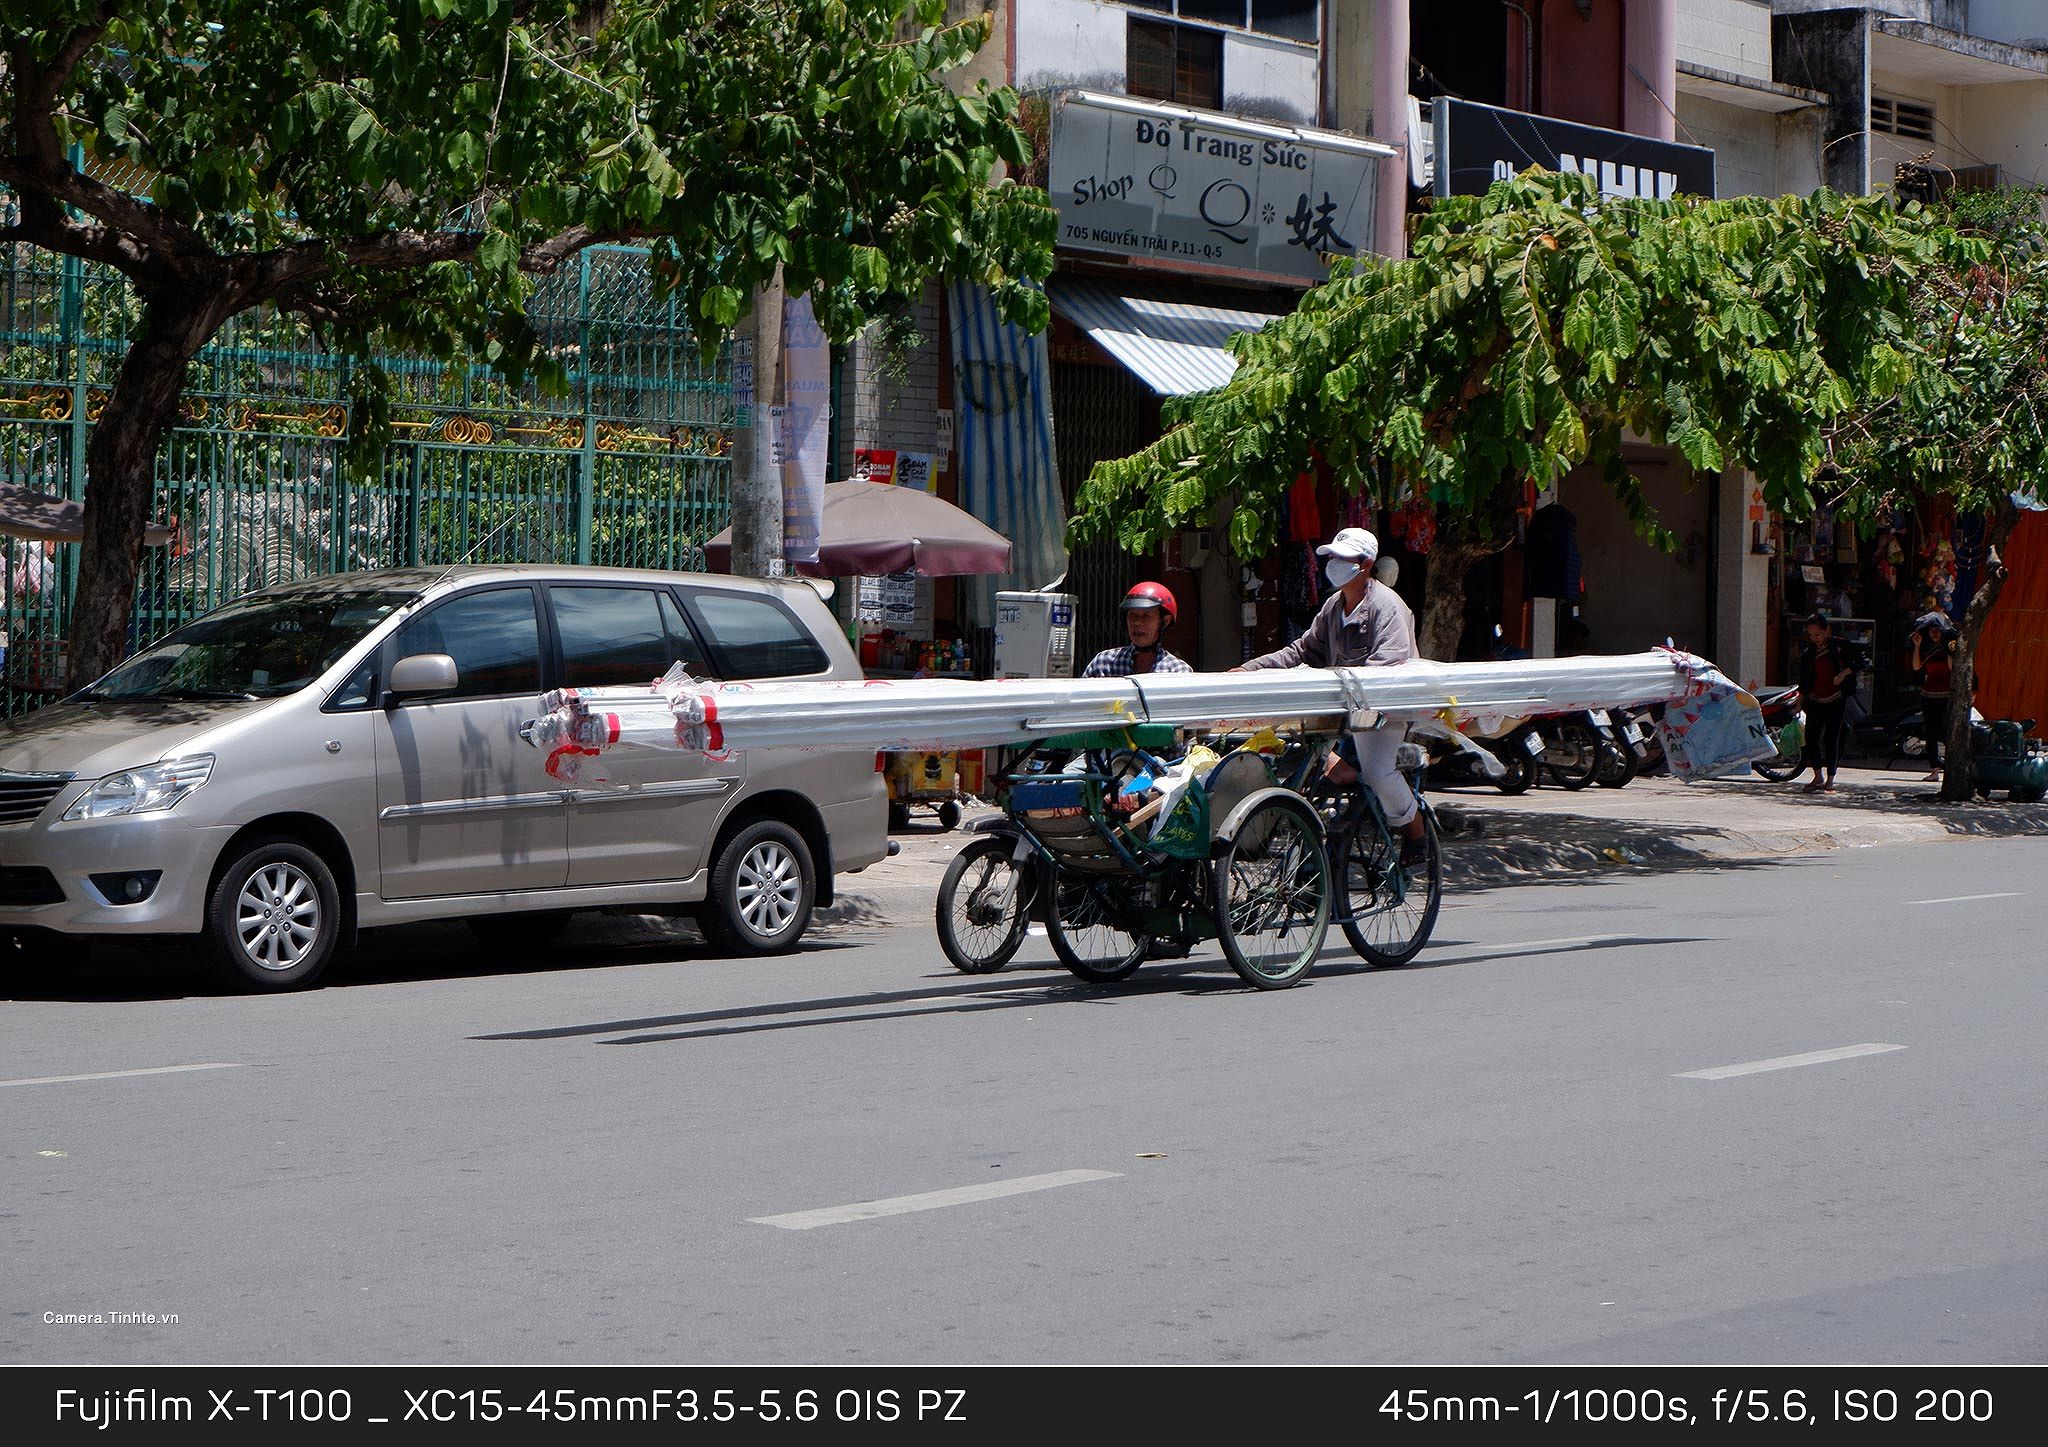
(1730, 35)
(1635, 595)
(1830, 53)
(2004, 125)
(2019, 22)
(1069, 42)
(885, 408)
(992, 62)
(1756, 153)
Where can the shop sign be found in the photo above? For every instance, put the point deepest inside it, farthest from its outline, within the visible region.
(874, 464)
(1477, 145)
(914, 469)
(1161, 183)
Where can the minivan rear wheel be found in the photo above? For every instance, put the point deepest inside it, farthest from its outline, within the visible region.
(273, 918)
(761, 890)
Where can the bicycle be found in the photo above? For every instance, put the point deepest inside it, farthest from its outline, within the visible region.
(1386, 909)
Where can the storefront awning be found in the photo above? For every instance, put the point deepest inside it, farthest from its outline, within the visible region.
(1174, 347)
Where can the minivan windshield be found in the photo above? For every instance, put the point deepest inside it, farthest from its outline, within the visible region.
(258, 647)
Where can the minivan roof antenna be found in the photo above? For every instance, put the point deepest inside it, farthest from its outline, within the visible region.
(482, 542)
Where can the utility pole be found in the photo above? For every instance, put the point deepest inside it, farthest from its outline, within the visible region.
(756, 471)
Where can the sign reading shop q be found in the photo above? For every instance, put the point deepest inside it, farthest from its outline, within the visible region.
(1165, 184)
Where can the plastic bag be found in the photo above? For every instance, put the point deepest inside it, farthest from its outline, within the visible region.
(1716, 728)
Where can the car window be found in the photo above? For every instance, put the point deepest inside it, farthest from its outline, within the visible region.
(493, 637)
(620, 635)
(756, 637)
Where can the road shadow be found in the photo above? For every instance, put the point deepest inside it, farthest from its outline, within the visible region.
(1496, 847)
(1011, 989)
(411, 954)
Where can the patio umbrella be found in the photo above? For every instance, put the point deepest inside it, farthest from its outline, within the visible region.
(41, 517)
(871, 528)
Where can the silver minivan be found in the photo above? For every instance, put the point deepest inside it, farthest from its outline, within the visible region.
(342, 752)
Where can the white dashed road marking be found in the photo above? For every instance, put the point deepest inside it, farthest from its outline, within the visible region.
(1963, 898)
(929, 1201)
(1787, 1062)
(122, 1074)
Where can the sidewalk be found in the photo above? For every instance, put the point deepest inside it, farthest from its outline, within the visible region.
(1653, 823)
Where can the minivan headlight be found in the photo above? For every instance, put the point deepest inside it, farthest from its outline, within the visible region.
(142, 791)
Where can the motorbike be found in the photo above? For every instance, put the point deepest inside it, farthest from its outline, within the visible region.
(1786, 721)
(1623, 749)
(1506, 753)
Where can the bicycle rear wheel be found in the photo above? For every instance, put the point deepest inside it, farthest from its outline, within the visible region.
(1271, 891)
(1081, 920)
(984, 906)
(1388, 910)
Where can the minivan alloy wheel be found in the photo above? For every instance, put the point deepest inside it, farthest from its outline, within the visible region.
(769, 887)
(277, 916)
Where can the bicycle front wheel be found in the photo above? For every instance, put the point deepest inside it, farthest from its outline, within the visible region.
(1388, 910)
(1271, 887)
(984, 906)
(1084, 925)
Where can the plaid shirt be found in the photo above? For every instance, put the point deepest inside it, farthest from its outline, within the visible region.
(1123, 662)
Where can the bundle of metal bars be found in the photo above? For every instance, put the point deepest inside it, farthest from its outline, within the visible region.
(681, 712)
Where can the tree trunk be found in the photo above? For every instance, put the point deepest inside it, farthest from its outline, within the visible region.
(120, 471)
(1957, 780)
(1220, 643)
(1457, 548)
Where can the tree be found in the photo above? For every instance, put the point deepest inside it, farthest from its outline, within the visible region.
(398, 171)
(1530, 331)
(1974, 427)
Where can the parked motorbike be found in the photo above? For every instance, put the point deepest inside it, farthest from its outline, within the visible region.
(1623, 751)
(1786, 720)
(1507, 753)
(1572, 744)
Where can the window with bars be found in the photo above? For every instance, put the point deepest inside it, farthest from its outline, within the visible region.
(1180, 63)
(1908, 118)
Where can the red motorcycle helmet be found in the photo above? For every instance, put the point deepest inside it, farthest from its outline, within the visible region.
(1151, 595)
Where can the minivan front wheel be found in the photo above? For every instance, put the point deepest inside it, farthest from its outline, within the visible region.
(273, 918)
(761, 890)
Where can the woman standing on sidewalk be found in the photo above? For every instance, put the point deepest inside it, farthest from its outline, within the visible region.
(1934, 652)
(1825, 674)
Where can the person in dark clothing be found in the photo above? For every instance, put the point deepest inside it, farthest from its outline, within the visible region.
(1934, 651)
(1826, 673)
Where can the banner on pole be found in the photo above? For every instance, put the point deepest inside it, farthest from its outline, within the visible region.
(806, 419)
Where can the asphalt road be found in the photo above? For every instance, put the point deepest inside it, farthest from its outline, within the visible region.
(1507, 1153)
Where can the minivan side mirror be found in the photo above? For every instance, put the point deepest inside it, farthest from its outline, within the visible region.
(421, 675)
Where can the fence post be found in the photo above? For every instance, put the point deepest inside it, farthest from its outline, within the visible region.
(585, 493)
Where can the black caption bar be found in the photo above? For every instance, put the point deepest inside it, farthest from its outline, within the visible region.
(799, 1402)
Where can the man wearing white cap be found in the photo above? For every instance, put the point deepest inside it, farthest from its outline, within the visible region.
(1362, 624)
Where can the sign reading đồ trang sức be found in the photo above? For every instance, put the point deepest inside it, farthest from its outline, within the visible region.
(1160, 183)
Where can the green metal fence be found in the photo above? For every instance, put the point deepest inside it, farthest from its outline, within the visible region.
(627, 468)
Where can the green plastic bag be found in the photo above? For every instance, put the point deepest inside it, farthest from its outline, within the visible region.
(1183, 831)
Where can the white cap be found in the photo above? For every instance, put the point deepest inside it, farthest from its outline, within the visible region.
(1351, 543)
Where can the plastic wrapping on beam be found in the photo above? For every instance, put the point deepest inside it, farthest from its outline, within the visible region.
(920, 714)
